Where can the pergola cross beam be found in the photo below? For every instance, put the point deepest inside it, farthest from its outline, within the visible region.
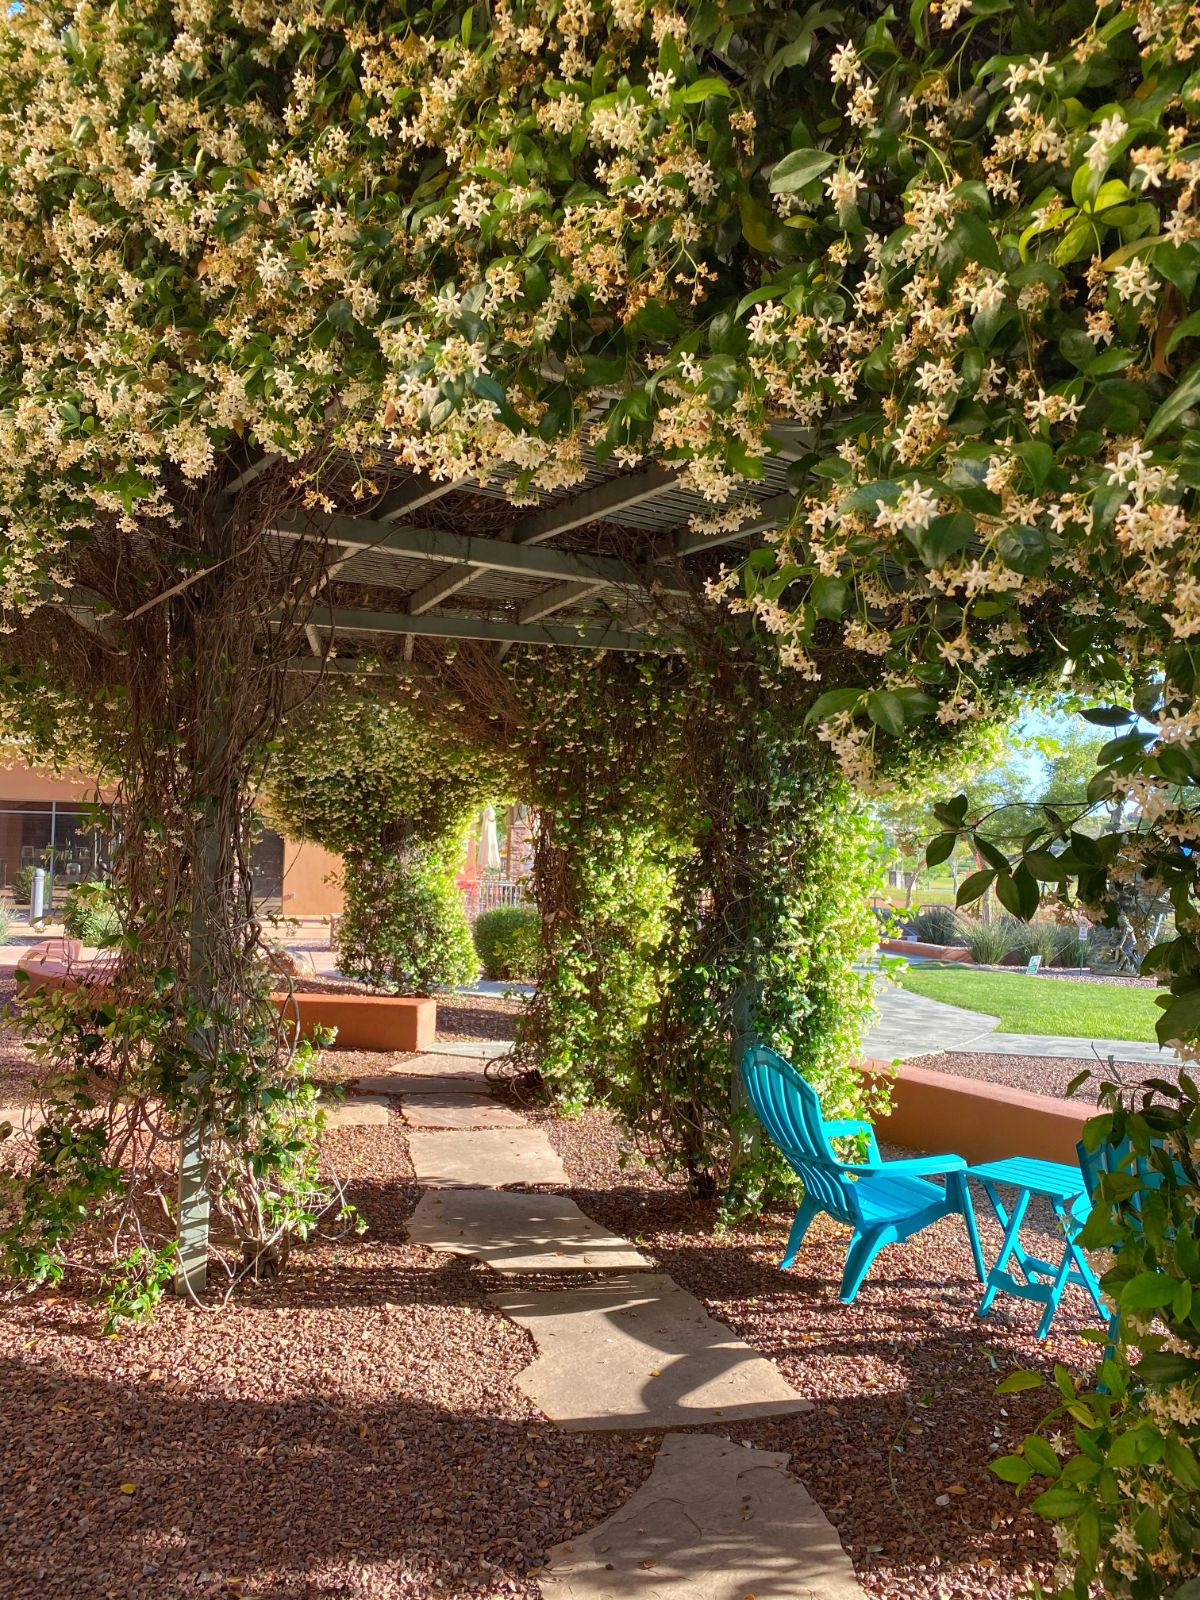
(576, 511)
(475, 555)
(588, 636)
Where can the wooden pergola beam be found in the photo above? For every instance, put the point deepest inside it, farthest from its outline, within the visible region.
(575, 511)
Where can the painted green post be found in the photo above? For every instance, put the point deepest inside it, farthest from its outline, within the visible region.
(191, 1273)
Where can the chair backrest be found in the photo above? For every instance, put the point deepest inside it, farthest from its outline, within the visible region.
(1119, 1158)
(788, 1108)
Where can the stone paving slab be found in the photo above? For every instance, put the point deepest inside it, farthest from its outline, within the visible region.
(378, 1083)
(487, 1159)
(358, 1111)
(24, 1119)
(713, 1521)
(489, 1049)
(440, 1064)
(442, 1084)
(515, 1232)
(640, 1353)
(459, 1111)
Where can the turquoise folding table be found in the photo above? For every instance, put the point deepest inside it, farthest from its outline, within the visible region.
(1032, 1277)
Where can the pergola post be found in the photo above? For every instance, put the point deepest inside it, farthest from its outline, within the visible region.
(191, 1272)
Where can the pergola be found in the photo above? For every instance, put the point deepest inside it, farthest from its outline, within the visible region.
(601, 565)
(612, 563)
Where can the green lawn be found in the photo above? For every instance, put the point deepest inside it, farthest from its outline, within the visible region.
(1042, 1005)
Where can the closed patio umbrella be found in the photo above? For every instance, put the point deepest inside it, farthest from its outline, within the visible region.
(487, 855)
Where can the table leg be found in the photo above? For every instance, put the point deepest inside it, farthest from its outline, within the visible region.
(1055, 1288)
(1010, 1247)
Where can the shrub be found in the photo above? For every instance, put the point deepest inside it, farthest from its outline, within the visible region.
(937, 925)
(403, 928)
(90, 914)
(1071, 946)
(508, 941)
(990, 942)
(5, 920)
(22, 885)
(1042, 938)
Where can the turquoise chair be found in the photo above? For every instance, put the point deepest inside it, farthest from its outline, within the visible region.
(884, 1202)
(1095, 1165)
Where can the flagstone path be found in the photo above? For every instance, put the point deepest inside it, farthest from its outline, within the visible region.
(516, 1232)
(361, 1111)
(640, 1352)
(633, 1351)
(490, 1158)
(713, 1521)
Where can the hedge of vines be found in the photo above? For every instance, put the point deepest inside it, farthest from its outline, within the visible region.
(703, 880)
(392, 794)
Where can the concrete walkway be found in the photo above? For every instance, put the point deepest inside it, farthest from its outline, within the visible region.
(1062, 1048)
(631, 1351)
(911, 1025)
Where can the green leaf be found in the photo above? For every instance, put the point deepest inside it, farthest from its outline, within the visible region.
(1181, 1463)
(1148, 1291)
(1181, 1019)
(798, 169)
(832, 702)
(974, 887)
(1087, 1534)
(1025, 549)
(940, 849)
(693, 93)
(1186, 395)
(829, 595)
(886, 711)
(1189, 328)
(1058, 1502)
(1108, 716)
(1041, 1457)
(1013, 1469)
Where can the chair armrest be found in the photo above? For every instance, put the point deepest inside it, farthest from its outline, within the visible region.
(852, 1128)
(915, 1166)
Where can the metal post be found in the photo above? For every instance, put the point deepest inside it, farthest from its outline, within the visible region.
(191, 1274)
(37, 898)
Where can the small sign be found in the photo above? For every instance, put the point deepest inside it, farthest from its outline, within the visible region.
(1034, 963)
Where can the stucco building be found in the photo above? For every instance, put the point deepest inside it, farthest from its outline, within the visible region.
(52, 822)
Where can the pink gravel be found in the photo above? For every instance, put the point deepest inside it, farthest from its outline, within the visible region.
(353, 1428)
(1035, 1074)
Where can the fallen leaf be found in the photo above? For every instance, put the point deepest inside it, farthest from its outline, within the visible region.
(649, 1564)
(129, 1488)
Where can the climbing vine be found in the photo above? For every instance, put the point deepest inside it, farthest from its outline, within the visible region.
(703, 880)
(391, 791)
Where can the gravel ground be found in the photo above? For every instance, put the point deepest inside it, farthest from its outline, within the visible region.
(352, 1428)
(1036, 1074)
(1121, 980)
(477, 1016)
